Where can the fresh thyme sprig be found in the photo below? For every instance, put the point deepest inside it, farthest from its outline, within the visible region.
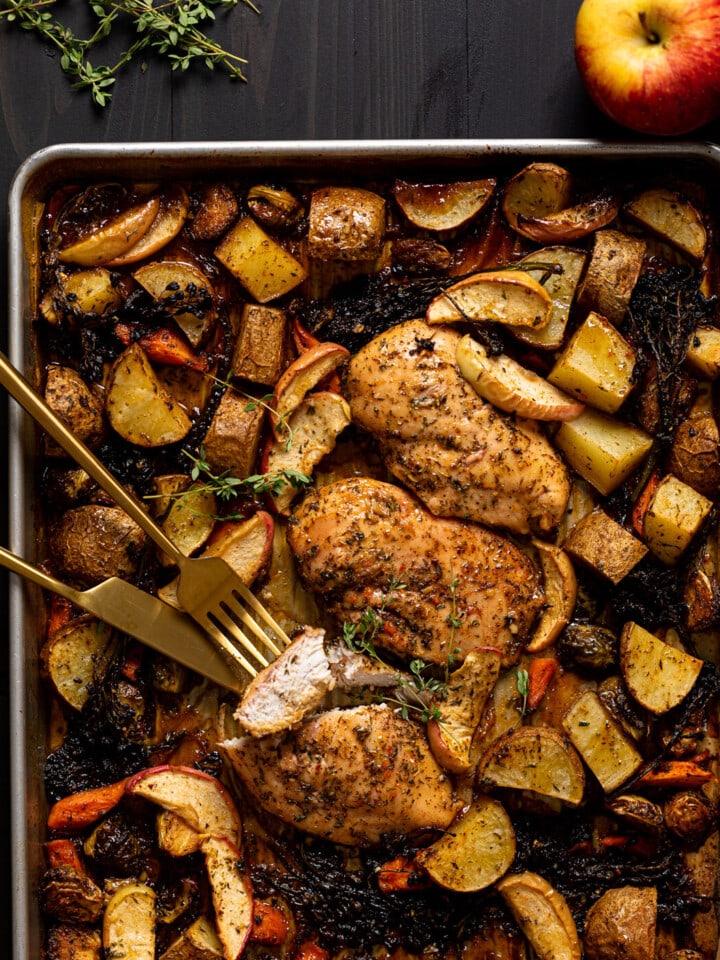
(171, 29)
(523, 687)
(226, 487)
(422, 689)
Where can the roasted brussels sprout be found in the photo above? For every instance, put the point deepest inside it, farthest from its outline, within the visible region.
(588, 648)
(120, 844)
(640, 813)
(274, 208)
(71, 895)
(416, 255)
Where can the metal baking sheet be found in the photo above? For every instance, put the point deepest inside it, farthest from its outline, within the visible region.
(331, 160)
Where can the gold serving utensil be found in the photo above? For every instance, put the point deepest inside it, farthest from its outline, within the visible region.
(208, 589)
(140, 615)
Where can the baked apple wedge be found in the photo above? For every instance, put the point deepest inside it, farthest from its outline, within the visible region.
(314, 428)
(303, 374)
(560, 585)
(509, 386)
(476, 850)
(231, 894)
(543, 916)
(560, 275)
(199, 799)
(509, 297)
(468, 690)
(114, 239)
(170, 219)
(538, 190)
(442, 206)
(572, 223)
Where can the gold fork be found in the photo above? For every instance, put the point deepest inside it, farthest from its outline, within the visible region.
(208, 589)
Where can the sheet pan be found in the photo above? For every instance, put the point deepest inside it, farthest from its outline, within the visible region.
(329, 160)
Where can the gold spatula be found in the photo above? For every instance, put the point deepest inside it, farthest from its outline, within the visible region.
(208, 589)
(144, 617)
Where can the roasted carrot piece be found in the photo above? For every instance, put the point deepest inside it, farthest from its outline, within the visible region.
(79, 810)
(401, 874)
(309, 950)
(132, 661)
(60, 613)
(63, 853)
(540, 674)
(676, 773)
(165, 346)
(270, 924)
(643, 502)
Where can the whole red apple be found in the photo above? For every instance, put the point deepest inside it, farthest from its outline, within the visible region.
(651, 65)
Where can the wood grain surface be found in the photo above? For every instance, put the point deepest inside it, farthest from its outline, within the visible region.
(317, 69)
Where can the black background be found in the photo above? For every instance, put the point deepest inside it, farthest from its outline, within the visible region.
(318, 69)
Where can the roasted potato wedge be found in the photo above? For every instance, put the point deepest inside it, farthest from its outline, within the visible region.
(475, 852)
(657, 675)
(538, 190)
(622, 923)
(345, 223)
(137, 405)
(537, 759)
(601, 741)
(560, 276)
(184, 291)
(69, 397)
(672, 218)
(77, 656)
(596, 366)
(93, 542)
(611, 274)
(259, 263)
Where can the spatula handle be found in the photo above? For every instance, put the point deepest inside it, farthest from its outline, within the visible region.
(19, 388)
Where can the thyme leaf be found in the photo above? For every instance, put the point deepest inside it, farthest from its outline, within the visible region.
(171, 28)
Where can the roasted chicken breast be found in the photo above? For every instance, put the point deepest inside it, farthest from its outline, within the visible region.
(349, 775)
(444, 586)
(460, 455)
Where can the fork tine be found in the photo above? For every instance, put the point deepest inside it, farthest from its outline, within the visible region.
(228, 648)
(249, 598)
(221, 616)
(237, 610)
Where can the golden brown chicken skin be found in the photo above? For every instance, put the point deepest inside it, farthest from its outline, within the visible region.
(349, 775)
(455, 451)
(362, 543)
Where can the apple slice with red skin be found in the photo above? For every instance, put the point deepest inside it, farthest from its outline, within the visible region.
(315, 425)
(538, 190)
(443, 206)
(508, 297)
(561, 589)
(570, 224)
(300, 377)
(510, 387)
(170, 219)
(198, 798)
(232, 894)
(115, 238)
(462, 709)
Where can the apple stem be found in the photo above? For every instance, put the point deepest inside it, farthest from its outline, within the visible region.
(652, 37)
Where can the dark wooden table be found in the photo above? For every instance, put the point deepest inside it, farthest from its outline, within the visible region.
(317, 69)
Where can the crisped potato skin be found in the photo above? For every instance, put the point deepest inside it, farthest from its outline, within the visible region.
(94, 542)
(67, 395)
(346, 223)
(621, 925)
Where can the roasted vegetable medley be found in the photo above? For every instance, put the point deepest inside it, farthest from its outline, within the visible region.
(461, 440)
